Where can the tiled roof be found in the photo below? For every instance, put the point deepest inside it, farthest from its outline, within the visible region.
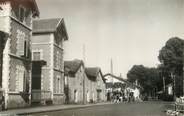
(72, 66)
(46, 25)
(92, 71)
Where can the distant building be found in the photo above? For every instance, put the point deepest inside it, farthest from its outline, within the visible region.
(16, 20)
(47, 53)
(97, 84)
(74, 81)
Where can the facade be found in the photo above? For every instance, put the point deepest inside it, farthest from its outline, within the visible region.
(47, 52)
(97, 91)
(74, 81)
(16, 20)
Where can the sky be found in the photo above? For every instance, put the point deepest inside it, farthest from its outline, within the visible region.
(130, 32)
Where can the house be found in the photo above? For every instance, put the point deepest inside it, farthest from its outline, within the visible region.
(47, 53)
(115, 87)
(16, 20)
(74, 81)
(97, 84)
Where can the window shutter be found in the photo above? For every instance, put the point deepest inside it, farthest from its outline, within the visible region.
(17, 79)
(26, 48)
(20, 44)
(21, 80)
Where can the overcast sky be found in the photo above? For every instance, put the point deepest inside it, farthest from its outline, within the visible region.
(128, 31)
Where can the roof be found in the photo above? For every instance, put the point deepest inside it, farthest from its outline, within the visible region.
(92, 71)
(48, 25)
(72, 66)
(29, 3)
(123, 80)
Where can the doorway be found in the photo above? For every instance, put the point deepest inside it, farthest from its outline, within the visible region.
(75, 96)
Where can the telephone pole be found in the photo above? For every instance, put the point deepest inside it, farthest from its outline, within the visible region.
(112, 80)
(84, 86)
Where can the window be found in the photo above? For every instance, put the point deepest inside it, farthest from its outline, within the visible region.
(98, 82)
(20, 79)
(22, 44)
(58, 84)
(36, 55)
(66, 80)
(58, 60)
(21, 13)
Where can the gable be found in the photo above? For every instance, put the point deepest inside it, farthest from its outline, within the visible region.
(28, 3)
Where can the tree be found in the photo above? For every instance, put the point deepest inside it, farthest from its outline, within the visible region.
(171, 59)
(171, 55)
(148, 78)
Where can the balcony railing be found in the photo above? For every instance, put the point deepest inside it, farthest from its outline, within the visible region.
(40, 95)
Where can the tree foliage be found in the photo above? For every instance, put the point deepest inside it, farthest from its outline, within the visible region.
(171, 59)
(171, 55)
(148, 78)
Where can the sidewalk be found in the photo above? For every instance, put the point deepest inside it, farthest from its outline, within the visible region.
(40, 109)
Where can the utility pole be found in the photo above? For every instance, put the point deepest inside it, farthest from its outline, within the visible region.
(164, 84)
(84, 86)
(183, 69)
(112, 71)
(174, 84)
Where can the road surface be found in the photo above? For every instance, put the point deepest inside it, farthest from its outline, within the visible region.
(122, 109)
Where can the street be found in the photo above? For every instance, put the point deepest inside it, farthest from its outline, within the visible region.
(122, 109)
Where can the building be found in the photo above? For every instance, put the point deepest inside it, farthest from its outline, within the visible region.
(97, 84)
(74, 81)
(47, 52)
(16, 20)
(3, 38)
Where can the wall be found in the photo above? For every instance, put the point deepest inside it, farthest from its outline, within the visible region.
(76, 84)
(11, 59)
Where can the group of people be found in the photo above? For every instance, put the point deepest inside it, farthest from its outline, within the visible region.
(120, 97)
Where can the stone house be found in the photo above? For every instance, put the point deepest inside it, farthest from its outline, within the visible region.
(74, 81)
(97, 84)
(16, 20)
(48, 64)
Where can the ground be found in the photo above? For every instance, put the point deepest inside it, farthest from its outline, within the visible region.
(122, 109)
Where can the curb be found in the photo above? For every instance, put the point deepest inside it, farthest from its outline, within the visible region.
(50, 109)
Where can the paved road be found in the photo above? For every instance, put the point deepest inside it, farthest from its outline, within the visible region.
(123, 109)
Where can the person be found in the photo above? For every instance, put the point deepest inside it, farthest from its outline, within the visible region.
(3, 103)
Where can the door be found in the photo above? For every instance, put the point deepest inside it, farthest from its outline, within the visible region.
(98, 95)
(75, 96)
(88, 98)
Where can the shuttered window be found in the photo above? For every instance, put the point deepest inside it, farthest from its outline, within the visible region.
(58, 84)
(57, 60)
(21, 43)
(20, 79)
(26, 48)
